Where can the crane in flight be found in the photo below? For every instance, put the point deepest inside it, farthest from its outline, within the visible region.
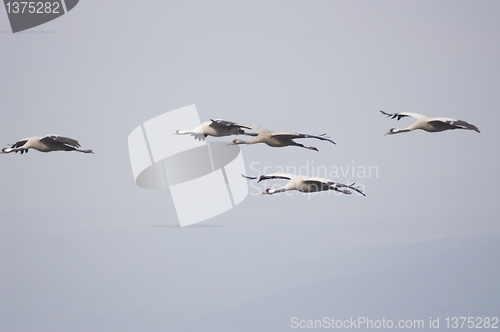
(429, 124)
(305, 184)
(216, 128)
(279, 139)
(46, 143)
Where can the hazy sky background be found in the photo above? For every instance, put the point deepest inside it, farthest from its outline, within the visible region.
(84, 249)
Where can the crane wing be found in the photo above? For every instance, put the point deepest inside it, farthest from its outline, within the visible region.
(19, 143)
(60, 139)
(351, 186)
(318, 180)
(229, 124)
(270, 176)
(455, 123)
(333, 185)
(402, 115)
(292, 135)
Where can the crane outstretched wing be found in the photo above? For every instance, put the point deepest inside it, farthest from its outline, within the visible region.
(60, 139)
(230, 124)
(292, 135)
(19, 143)
(269, 176)
(356, 189)
(402, 115)
(459, 124)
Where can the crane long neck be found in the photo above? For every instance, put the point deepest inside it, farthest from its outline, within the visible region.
(254, 141)
(9, 150)
(279, 190)
(403, 130)
(184, 132)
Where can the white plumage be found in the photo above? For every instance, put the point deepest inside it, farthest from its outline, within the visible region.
(279, 139)
(47, 143)
(429, 124)
(216, 128)
(305, 184)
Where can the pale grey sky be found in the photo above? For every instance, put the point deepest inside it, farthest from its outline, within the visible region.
(82, 247)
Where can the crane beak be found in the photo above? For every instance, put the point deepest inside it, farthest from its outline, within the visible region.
(390, 132)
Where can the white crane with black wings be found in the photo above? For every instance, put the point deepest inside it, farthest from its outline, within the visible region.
(429, 124)
(279, 139)
(46, 143)
(305, 184)
(216, 128)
